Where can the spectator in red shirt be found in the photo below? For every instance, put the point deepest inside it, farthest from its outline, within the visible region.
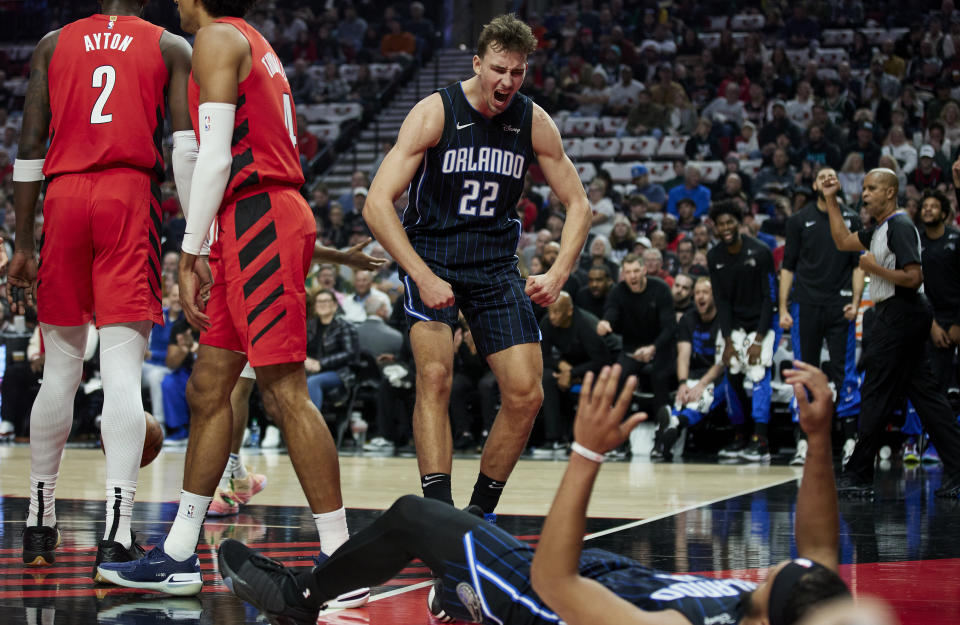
(307, 143)
(927, 175)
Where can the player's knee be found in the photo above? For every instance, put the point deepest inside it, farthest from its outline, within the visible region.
(201, 391)
(524, 400)
(434, 377)
(406, 507)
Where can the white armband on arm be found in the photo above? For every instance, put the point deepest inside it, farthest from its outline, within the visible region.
(25, 170)
(211, 174)
(184, 158)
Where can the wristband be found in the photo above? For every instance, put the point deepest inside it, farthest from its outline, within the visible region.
(28, 170)
(586, 453)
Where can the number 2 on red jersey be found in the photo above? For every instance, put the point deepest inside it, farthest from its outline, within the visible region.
(104, 78)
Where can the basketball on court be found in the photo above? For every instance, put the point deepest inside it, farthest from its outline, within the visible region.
(152, 440)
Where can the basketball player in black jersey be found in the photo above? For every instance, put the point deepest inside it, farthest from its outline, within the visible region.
(463, 153)
(487, 576)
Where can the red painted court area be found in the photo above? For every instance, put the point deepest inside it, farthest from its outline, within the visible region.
(903, 548)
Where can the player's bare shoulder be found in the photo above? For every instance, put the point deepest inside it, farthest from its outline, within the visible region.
(220, 38)
(541, 117)
(173, 47)
(423, 126)
(46, 46)
(544, 133)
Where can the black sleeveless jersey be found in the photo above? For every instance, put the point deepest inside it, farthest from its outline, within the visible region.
(498, 568)
(462, 203)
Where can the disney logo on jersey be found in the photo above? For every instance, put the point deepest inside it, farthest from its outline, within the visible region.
(509, 128)
(485, 159)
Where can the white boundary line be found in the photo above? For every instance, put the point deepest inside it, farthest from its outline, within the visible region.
(687, 509)
(401, 590)
(612, 530)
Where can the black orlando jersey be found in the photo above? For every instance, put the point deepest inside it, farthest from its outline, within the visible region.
(463, 198)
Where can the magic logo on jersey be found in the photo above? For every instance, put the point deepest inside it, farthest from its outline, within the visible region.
(485, 159)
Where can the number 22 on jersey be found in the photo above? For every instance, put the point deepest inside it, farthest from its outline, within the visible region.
(471, 192)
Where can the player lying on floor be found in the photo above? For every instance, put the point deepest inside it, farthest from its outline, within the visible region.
(485, 575)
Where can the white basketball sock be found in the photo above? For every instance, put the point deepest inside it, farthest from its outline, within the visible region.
(332, 527)
(120, 496)
(52, 414)
(41, 500)
(239, 469)
(181, 541)
(122, 425)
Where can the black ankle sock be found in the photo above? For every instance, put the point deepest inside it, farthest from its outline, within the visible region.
(760, 429)
(486, 493)
(437, 486)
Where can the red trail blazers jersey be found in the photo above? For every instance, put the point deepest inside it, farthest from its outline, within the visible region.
(264, 146)
(107, 80)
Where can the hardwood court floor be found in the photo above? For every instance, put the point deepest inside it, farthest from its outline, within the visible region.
(705, 518)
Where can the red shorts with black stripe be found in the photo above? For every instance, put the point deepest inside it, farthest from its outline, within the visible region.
(260, 261)
(100, 251)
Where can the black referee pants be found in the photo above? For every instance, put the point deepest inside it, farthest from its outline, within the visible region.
(896, 363)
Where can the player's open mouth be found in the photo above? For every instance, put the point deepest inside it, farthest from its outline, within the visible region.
(500, 96)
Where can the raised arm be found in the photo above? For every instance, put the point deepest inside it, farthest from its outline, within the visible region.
(817, 523)
(555, 570)
(562, 177)
(28, 175)
(420, 131)
(845, 240)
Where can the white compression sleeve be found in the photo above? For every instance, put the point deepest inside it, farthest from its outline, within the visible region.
(210, 176)
(184, 157)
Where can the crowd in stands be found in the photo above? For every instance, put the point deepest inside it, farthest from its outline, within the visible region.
(741, 108)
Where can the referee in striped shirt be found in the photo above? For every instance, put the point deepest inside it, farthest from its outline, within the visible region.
(895, 358)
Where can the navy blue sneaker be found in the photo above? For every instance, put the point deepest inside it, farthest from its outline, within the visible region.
(350, 599)
(155, 571)
(113, 551)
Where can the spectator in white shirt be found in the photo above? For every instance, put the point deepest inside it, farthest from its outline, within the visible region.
(899, 148)
(728, 109)
(800, 108)
(626, 93)
(601, 207)
(353, 305)
(594, 98)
